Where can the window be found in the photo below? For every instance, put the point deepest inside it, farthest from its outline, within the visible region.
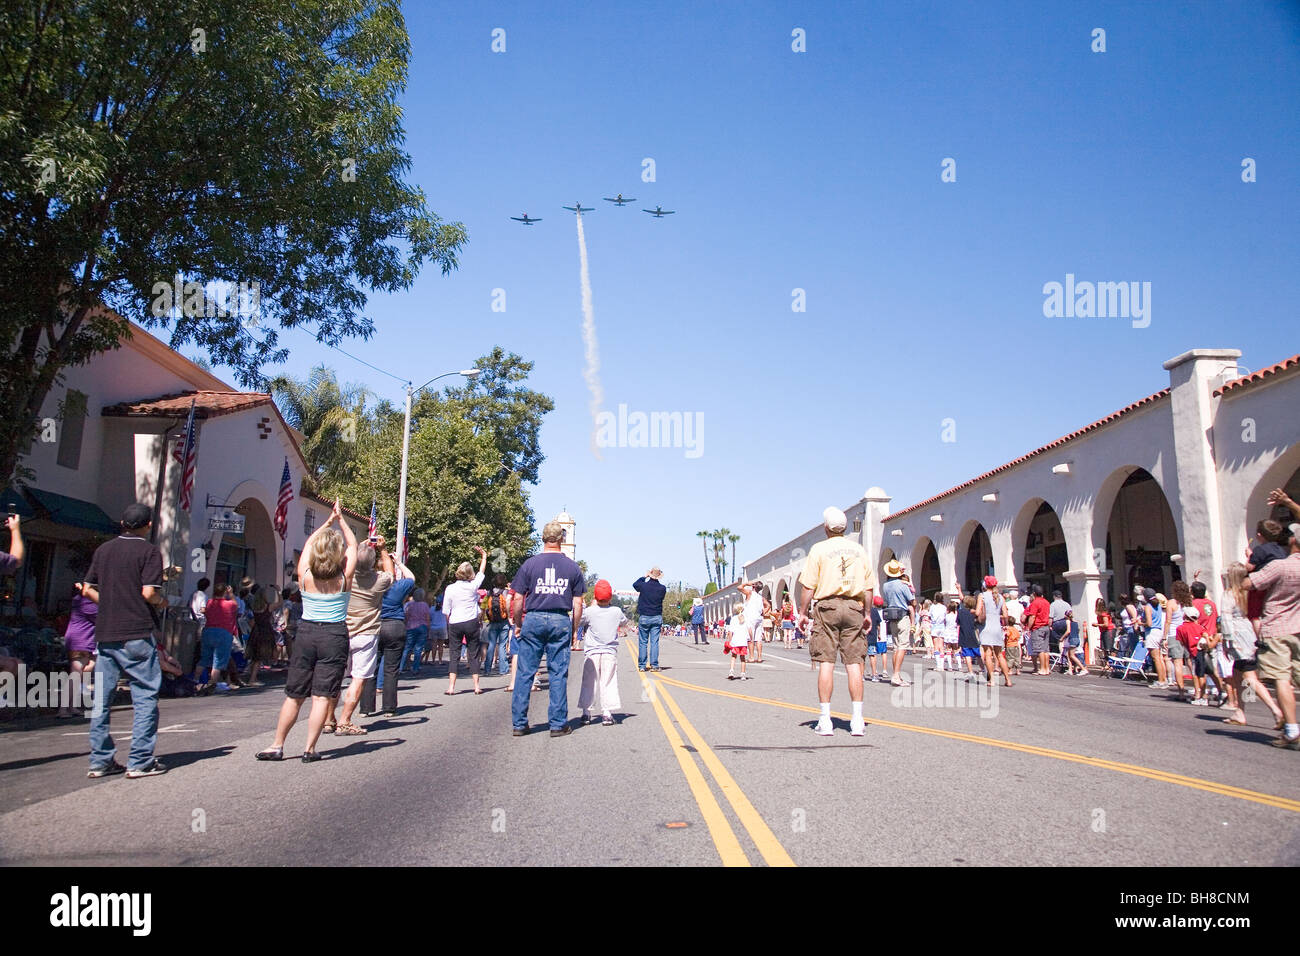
(74, 424)
(857, 525)
(309, 522)
(235, 561)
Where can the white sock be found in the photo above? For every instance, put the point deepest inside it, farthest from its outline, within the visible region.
(857, 710)
(826, 711)
(1292, 730)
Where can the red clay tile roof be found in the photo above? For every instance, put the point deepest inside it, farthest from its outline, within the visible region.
(1262, 374)
(329, 504)
(1163, 393)
(206, 405)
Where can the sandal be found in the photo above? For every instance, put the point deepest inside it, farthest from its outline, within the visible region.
(271, 753)
(330, 727)
(478, 691)
(349, 730)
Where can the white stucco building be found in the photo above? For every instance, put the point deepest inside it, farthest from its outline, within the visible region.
(1168, 485)
(115, 422)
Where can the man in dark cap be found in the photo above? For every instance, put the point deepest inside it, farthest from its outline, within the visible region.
(125, 579)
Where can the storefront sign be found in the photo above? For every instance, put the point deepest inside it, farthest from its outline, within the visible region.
(226, 521)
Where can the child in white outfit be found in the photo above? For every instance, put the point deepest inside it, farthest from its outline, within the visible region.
(601, 625)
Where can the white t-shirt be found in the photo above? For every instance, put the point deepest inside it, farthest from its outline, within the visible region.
(600, 629)
(737, 633)
(951, 634)
(199, 607)
(1015, 610)
(754, 610)
(460, 601)
(938, 617)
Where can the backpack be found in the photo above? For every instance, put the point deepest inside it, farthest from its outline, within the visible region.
(498, 608)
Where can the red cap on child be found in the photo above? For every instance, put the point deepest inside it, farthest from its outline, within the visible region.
(603, 590)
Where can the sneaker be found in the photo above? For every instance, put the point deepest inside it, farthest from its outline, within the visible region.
(857, 728)
(731, 677)
(1287, 743)
(745, 677)
(607, 721)
(110, 770)
(1200, 702)
(155, 769)
(824, 728)
(562, 733)
(519, 732)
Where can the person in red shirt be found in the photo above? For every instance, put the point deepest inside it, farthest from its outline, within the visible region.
(1038, 618)
(1205, 607)
(1189, 634)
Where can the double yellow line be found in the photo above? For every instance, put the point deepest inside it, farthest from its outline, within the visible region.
(724, 837)
(1163, 776)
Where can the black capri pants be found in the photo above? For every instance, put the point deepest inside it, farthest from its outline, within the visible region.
(320, 653)
(470, 631)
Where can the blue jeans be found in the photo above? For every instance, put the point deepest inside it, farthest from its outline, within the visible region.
(138, 660)
(648, 629)
(545, 632)
(498, 641)
(415, 638)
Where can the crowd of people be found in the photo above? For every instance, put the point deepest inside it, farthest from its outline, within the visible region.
(357, 613)
(1205, 654)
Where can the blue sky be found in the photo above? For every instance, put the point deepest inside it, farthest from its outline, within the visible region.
(821, 171)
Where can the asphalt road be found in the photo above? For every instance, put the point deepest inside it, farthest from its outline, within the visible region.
(698, 771)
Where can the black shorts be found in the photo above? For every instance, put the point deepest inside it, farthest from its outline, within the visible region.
(320, 655)
(1203, 664)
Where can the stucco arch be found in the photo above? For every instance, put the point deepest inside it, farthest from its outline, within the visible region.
(927, 576)
(1103, 502)
(1020, 526)
(1277, 476)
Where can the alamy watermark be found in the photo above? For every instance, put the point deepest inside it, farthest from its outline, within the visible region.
(935, 689)
(210, 300)
(1101, 300)
(683, 430)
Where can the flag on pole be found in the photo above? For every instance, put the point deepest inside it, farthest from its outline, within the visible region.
(374, 520)
(185, 455)
(406, 547)
(282, 505)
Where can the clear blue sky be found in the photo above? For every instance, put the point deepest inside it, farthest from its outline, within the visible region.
(821, 170)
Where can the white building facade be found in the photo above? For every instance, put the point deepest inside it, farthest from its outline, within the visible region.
(1168, 486)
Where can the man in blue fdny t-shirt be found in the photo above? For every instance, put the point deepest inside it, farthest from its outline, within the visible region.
(650, 618)
(548, 588)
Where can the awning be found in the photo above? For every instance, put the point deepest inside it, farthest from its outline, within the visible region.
(73, 512)
(15, 501)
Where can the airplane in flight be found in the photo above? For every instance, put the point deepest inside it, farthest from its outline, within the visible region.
(579, 208)
(526, 221)
(620, 201)
(659, 212)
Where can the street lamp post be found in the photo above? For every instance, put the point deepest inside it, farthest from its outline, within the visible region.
(469, 373)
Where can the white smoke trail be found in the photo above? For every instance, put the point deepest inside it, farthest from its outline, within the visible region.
(592, 372)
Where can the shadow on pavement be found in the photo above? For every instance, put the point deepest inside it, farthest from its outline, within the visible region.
(38, 761)
(183, 758)
(360, 747)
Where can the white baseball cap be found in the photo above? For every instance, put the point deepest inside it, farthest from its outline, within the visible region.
(834, 519)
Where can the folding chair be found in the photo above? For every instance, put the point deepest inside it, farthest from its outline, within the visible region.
(1124, 667)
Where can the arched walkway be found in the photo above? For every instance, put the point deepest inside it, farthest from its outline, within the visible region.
(925, 568)
(974, 555)
(1038, 548)
(1138, 537)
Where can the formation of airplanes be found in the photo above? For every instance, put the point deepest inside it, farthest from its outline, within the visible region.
(578, 209)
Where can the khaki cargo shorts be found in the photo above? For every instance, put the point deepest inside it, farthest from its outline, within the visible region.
(838, 632)
(1279, 658)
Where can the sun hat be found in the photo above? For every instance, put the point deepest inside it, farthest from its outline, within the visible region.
(894, 569)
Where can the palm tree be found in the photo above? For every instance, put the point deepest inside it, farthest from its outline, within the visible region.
(720, 553)
(702, 535)
(733, 538)
(328, 416)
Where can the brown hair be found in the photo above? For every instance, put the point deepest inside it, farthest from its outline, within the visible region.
(1181, 593)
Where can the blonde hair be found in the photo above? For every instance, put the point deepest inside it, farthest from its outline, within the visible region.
(465, 571)
(1235, 577)
(738, 610)
(325, 558)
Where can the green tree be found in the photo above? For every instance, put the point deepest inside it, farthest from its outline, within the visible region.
(222, 141)
(329, 417)
(703, 536)
(497, 400)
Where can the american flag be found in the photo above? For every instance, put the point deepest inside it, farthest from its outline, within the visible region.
(406, 545)
(374, 520)
(282, 506)
(184, 453)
